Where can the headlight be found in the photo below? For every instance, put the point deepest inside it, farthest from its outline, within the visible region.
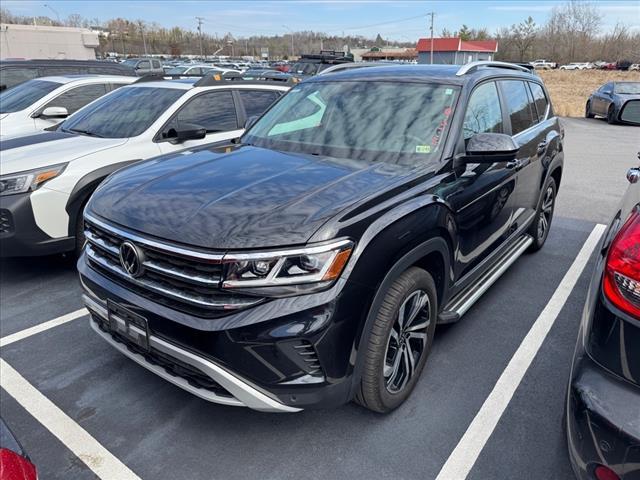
(28, 181)
(301, 269)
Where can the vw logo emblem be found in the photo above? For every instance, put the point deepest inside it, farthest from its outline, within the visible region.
(131, 259)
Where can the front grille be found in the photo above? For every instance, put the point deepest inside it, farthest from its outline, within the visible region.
(189, 284)
(173, 366)
(6, 221)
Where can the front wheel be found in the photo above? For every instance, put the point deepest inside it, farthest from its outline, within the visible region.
(611, 116)
(539, 229)
(399, 342)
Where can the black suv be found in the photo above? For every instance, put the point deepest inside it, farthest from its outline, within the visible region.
(308, 264)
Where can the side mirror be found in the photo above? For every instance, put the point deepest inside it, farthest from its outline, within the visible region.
(187, 132)
(54, 112)
(250, 122)
(490, 148)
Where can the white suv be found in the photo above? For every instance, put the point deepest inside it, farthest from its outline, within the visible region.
(43, 102)
(47, 178)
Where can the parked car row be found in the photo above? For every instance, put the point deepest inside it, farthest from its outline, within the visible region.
(307, 261)
(542, 64)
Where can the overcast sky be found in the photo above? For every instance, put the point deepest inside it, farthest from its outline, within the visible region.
(401, 20)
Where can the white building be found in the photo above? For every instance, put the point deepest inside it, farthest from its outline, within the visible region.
(40, 42)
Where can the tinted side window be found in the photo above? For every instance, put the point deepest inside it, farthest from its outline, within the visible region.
(10, 77)
(483, 113)
(540, 100)
(214, 111)
(76, 98)
(156, 64)
(518, 105)
(256, 102)
(144, 65)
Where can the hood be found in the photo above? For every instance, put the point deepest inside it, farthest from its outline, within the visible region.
(4, 115)
(248, 198)
(623, 97)
(49, 148)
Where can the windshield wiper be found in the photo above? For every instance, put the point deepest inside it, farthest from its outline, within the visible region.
(83, 132)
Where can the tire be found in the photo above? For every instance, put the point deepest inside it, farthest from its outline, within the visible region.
(611, 119)
(389, 374)
(540, 227)
(587, 111)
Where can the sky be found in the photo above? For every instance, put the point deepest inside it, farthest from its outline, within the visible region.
(401, 20)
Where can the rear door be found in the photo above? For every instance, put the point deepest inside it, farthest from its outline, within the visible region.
(214, 110)
(529, 133)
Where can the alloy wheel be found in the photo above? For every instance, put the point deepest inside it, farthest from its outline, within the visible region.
(546, 212)
(407, 341)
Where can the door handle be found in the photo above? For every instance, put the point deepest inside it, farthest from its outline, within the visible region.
(514, 164)
(542, 147)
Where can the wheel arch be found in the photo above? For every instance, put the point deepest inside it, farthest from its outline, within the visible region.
(85, 187)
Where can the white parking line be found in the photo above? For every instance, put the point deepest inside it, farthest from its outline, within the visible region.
(464, 456)
(27, 332)
(72, 435)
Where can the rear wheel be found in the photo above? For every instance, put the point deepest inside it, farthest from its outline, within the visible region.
(539, 229)
(399, 342)
(587, 111)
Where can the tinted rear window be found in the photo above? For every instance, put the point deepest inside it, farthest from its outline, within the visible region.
(518, 105)
(24, 95)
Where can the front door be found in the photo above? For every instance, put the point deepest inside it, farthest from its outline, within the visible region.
(482, 195)
(214, 111)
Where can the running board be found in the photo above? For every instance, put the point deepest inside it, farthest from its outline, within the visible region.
(463, 301)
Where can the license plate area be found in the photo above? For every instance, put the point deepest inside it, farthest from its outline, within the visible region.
(128, 324)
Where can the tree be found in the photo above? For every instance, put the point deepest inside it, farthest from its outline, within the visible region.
(464, 33)
(523, 36)
(379, 41)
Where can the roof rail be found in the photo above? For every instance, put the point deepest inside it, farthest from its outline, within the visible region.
(473, 66)
(217, 79)
(349, 66)
(151, 77)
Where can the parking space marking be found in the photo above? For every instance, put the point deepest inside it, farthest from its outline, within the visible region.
(73, 436)
(465, 454)
(27, 332)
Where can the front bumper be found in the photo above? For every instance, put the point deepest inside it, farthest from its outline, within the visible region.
(603, 421)
(20, 235)
(241, 391)
(258, 356)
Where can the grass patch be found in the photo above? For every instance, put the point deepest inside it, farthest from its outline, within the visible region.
(570, 89)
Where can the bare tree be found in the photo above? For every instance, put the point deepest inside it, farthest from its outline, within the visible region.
(523, 35)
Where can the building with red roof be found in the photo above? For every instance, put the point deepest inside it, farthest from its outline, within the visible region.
(455, 51)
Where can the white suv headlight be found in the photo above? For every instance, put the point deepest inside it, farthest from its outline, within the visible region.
(28, 181)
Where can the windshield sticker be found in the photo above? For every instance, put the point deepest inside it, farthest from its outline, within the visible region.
(448, 91)
(423, 148)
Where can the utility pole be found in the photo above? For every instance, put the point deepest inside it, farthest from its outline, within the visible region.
(431, 14)
(144, 40)
(291, 33)
(200, 20)
(54, 11)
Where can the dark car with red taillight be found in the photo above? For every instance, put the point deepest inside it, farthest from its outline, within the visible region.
(14, 462)
(603, 401)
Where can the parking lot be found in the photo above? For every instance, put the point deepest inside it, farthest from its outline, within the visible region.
(129, 423)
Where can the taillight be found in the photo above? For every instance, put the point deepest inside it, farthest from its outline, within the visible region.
(15, 467)
(622, 272)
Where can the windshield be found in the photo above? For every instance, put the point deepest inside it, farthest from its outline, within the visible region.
(628, 88)
(24, 95)
(127, 112)
(177, 70)
(373, 121)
